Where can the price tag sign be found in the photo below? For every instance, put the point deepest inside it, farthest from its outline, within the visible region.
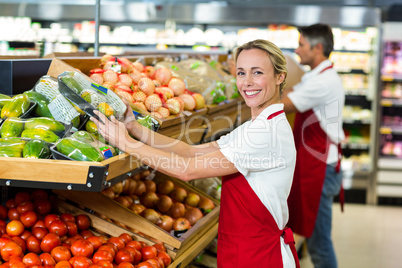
(385, 130)
(386, 103)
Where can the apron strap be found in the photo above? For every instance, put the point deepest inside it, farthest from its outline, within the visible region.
(289, 240)
(338, 169)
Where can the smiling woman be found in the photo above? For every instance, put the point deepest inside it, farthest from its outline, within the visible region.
(260, 80)
(256, 162)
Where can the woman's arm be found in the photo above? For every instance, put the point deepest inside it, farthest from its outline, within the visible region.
(204, 160)
(160, 141)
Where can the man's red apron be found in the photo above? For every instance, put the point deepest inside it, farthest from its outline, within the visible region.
(312, 145)
(248, 235)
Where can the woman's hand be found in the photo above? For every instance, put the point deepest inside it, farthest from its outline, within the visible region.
(129, 118)
(113, 131)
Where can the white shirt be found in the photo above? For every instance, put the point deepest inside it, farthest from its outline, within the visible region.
(263, 151)
(324, 93)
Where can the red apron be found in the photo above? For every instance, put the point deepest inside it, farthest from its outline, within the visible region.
(248, 235)
(312, 145)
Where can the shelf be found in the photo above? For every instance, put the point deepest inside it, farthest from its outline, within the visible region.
(356, 92)
(390, 162)
(391, 130)
(356, 146)
(391, 102)
(356, 121)
(347, 70)
(391, 77)
(67, 174)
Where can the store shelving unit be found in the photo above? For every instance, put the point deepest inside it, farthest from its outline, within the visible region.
(389, 181)
(356, 63)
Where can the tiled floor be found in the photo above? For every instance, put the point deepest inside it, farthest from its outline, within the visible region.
(366, 236)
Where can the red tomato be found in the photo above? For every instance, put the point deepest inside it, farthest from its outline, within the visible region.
(148, 252)
(83, 222)
(126, 238)
(86, 233)
(125, 265)
(3, 223)
(25, 206)
(134, 244)
(117, 241)
(123, 256)
(159, 247)
(25, 234)
(161, 262)
(39, 194)
(72, 228)
(113, 246)
(39, 223)
(22, 197)
(50, 218)
(15, 228)
(29, 218)
(108, 249)
(20, 242)
(102, 255)
(80, 262)
(137, 255)
(42, 206)
(63, 264)
(145, 265)
(13, 214)
(18, 264)
(3, 212)
(11, 249)
(155, 263)
(67, 217)
(49, 242)
(96, 241)
(58, 227)
(104, 264)
(60, 253)
(47, 259)
(33, 244)
(82, 247)
(11, 203)
(39, 232)
(31, 259)
(15, 260)
(2, 230)
(165, 258)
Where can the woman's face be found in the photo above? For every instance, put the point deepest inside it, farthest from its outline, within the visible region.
(256, 80)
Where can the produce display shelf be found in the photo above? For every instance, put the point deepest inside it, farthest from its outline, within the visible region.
(67, 174)
(102, 204)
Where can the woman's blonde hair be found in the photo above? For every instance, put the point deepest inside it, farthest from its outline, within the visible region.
(275, 54)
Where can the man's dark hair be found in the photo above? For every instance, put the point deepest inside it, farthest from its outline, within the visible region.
(319, 33)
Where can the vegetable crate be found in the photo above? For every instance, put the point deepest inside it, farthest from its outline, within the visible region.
(196, 238)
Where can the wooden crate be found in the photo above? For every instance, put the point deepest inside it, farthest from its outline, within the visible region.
(66, 174)
(101, 204)
(100, 226)
(222, 117)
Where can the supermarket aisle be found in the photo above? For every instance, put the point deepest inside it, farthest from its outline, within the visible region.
(366, 236)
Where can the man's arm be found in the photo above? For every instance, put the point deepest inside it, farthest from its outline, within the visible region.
(288, 104)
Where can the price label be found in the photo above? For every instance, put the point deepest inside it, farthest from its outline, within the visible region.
(387, 103)
(387, 77)
(385, 130)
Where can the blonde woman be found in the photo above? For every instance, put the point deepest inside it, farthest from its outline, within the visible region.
(256, 162)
